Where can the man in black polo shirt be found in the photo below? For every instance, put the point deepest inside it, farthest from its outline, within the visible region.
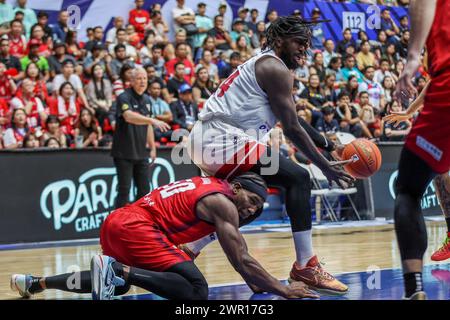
(133, 132)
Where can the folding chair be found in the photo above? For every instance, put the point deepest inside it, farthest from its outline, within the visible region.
(322, 193)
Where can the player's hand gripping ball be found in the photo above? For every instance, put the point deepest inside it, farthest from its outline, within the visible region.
(366, 158)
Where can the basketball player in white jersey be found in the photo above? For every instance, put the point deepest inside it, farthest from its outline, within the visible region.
(230, 137)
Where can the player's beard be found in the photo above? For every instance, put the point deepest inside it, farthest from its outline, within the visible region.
(289, 60)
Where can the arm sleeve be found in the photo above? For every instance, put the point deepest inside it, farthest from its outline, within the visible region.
(318, 139)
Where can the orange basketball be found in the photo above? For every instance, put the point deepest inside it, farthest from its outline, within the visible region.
(366, 155)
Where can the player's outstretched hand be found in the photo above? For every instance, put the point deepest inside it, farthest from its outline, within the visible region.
(405, 89)
(397, 117)
(299, 290)
(335, 172)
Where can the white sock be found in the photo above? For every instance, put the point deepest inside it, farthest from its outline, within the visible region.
(303, 246)
(197, 245)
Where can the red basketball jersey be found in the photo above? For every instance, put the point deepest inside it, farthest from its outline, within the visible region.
(173, 207)
(429, 136)
(439, 38)
(439, 55)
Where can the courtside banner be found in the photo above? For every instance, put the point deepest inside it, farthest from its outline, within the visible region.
(66, 194)
(383, 184)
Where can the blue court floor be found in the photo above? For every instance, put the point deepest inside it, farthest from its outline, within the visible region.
(384, 285)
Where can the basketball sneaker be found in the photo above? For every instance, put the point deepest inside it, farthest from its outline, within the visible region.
(103, 278)
(443, 253)
(22, 283)
(441, 275)
(317, 278)
(420, 295)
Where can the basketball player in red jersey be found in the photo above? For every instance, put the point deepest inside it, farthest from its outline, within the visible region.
(441, 182)
(139, 242)
(427, 149)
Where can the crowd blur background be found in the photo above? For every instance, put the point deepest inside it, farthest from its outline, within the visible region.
(59, 92)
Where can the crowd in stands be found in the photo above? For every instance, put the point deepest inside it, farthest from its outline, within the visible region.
(57, 91)
(390, 3)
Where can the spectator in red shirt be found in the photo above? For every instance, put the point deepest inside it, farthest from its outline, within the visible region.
(133, 37)
(17, 41)
(181, 56)
(75, 48)
(67, 107)
(32, 105)
(139, 18)
(7, 84)
(40, 87)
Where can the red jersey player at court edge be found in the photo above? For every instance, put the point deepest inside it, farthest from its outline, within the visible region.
(441, 182)
(230, 137)
(427, 149)
(140, 241)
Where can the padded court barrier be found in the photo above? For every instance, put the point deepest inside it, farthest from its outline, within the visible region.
(50, 195)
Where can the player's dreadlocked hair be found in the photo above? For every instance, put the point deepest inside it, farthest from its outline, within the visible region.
(289, 26)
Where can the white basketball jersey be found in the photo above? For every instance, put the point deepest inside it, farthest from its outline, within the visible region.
(239, 101)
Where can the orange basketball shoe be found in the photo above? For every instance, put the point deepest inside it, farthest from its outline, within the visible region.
(317, 278)
(443, 253)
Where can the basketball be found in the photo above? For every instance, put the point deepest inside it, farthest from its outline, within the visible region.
(367, 158)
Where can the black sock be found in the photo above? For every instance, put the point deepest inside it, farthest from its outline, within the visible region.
(413, 283)
(118, 269)
(35, 285)
(447, 220)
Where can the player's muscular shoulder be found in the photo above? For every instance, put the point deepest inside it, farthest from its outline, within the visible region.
(272, 74)
(215, 208)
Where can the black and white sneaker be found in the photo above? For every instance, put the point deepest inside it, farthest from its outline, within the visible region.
(103, 278)
(21, 283)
